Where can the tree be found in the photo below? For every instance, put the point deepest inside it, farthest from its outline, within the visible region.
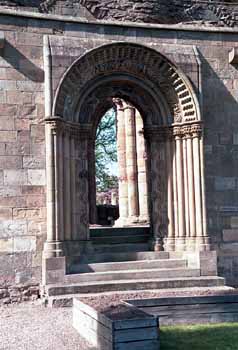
(106, 152)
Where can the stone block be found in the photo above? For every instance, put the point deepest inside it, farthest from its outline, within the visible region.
(230, 235)
(15, 177)
(33, 162)
(225, 183)
(19, 98)
(24, 244)
(10, 162)
(5, 213)
(18, 148)
(6, 245)
(234, 222)
(25, 213)
(7, 123)
(8, 136)
(10, 191)
(36, 177)
(13, 228)
(38, 133)
(8, 110)
(235, 138)
(36, 201)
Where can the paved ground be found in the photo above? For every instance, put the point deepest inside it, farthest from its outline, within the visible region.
(35, 327)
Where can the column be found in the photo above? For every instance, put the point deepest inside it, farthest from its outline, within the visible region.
(191, 191)
(157, 242)
(81, 185)
(53, 246)
(175, 191)
(141, 167)
(131, 164)
(67, 187)
(121, 155)
(186, 200)
(170, 242)
(206, 238)
(180, 188)
(196, 133)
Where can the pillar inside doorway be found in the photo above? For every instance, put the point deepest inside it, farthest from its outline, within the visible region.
(133, 195)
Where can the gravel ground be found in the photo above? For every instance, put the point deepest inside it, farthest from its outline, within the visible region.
(34, 327)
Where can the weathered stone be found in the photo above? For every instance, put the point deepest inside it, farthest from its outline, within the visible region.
(24, 244)
(225, 183)
(230, 235)
(36, 177)
(15, 177)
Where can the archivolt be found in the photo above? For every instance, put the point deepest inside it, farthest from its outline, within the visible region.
(135, 63)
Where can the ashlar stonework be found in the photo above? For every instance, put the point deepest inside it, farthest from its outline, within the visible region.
(60, 74)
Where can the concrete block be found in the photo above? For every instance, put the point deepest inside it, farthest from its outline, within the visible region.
(36, 177)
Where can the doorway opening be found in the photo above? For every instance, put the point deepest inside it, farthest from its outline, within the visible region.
(121, 167)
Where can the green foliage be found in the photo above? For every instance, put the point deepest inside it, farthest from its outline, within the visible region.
(106, 152)
(200, 337)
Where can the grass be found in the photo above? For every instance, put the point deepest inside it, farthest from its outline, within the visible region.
(200, 337)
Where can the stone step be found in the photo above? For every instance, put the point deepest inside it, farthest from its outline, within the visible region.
(67, 299)
(119, 231)
(132, 274)
(131, 265)
(139, 238)
(117, 257)
(117, 248)
(133, 284)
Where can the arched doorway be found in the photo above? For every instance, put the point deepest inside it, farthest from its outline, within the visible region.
(173, 130)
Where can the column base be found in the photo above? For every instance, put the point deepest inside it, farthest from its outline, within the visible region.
(129, 221)
(53, 249)
(180, 244)
(169, 244)
(203, 243)
(157, 244)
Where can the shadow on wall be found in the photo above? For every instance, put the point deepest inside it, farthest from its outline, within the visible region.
(22, 64)
(220, 108)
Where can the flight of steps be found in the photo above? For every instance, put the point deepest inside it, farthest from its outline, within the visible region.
(121, 261)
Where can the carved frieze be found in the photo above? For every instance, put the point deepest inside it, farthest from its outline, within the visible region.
(208, 12)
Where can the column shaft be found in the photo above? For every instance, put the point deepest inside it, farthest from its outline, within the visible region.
(67, 188)
(171, 230)
(131, 163)
(175, 191)
(191, 190)
(186, 200)
(197, 184)
(142, 173)
(121, 155)
(180, 187)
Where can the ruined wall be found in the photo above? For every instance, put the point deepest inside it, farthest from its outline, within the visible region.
(22, 148)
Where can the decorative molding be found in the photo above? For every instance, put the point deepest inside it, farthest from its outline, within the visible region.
(134, 61)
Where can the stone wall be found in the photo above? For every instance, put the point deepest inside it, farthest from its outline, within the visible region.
(22, 147)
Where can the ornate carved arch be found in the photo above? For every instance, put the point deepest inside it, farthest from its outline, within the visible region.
(172, 126)
(143, 64)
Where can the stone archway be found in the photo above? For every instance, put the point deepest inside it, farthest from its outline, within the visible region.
(173, 129)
